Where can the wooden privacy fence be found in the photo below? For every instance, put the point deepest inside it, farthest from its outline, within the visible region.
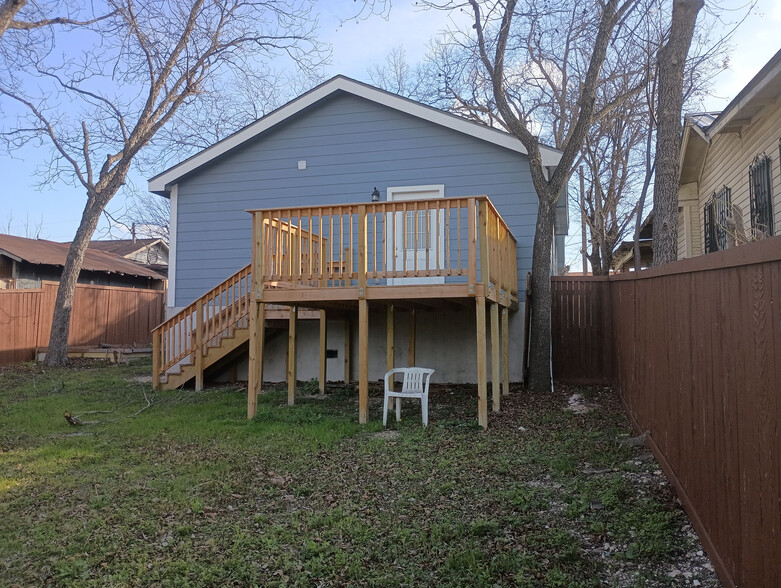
(694, 350)
(101, 314)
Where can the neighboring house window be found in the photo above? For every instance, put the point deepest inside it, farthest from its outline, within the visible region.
(717, 219)
(760, 191)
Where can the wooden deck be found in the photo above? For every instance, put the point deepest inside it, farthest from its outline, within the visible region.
(309, 262)
(402, 254)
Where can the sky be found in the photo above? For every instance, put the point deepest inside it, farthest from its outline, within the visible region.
(53, 212)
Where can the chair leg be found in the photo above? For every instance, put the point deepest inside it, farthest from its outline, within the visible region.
(424, 409)
(398, 408)
(385, 410)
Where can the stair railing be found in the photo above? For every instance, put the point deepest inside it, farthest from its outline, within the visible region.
(185, 337)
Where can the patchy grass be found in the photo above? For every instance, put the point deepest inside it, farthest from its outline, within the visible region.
(179, 489)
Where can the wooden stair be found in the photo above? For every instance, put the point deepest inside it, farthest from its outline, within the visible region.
(217, 324)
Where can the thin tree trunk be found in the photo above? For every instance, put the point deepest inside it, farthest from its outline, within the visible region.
(649, 172)
(672, 59)
(58, 337)
(540, 342)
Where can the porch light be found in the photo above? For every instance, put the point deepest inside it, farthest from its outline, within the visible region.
(376, 195)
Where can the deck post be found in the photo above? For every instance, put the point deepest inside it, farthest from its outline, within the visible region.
(471, 245)
(390, 361)
(347, 351)
(363, 361)
(482, 384)
(291, 356)
(362, 251)
(411, 353)
(257, 314)
(485, 248)
(505, 351)
(323, 345)
(257, 319)
(496, 393)
(200, 319)
(157, 354)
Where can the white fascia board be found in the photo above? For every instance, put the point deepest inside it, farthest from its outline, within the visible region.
(734, 108)
(161, 184)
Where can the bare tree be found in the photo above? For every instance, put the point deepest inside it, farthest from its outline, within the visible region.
(151, 64)
(29, 229)
(33, 17)
(672, 61)
(509, 47)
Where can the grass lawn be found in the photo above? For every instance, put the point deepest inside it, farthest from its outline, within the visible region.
(187, 492)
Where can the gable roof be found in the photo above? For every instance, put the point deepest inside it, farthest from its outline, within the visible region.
(125, 247)
(42, 252)
(161, 183)
(763, 90)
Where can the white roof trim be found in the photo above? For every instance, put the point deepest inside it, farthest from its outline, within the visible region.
(162, 183)
(747, 94)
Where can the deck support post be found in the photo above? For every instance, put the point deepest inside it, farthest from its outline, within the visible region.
(505, 351)
(390, 346)
(411, 353)
(496, 392)
(323, 346)
(363, 361)
(291, 356)
(257, 314)
(200, 320)
(257, 327)
(390, 359)
(482, 384)
(347, 351)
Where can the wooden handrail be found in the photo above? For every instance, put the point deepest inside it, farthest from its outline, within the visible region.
(346, 245)
(201, 323)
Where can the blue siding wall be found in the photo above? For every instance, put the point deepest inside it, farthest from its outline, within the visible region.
(350, 145)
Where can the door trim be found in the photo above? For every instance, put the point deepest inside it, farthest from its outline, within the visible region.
(395, 193)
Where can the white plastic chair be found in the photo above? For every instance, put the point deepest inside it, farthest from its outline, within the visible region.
(415, 385)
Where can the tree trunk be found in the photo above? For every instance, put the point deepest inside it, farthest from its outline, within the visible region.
(649, 172)
(540, 342)
(8, 10)
(58, 338)
(672, 58)
(596, 261)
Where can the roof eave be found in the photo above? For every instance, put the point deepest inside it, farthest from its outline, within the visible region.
(766, 75)
(162, 183)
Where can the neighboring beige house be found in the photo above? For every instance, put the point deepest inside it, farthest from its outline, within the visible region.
(730, 179)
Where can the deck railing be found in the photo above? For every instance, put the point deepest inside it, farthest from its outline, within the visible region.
(386, 243)
(383, 243)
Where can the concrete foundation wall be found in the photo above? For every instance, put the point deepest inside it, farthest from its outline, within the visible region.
(445, 341)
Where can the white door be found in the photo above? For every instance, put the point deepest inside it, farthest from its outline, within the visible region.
(419, 235)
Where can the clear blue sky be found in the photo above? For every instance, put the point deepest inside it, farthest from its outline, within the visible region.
(356, 47)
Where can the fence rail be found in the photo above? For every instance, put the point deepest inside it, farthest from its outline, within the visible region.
(694, 350)
(101, 315)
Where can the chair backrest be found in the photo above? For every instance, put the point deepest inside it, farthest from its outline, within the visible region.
(416, 379)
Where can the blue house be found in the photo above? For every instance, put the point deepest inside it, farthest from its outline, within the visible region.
(355, 220)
